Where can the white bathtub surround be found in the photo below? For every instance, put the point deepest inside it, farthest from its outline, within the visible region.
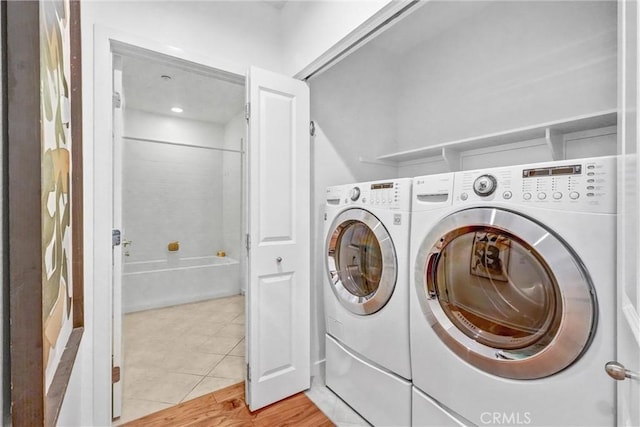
(178, 353)
(171, 192)
(155, 284)
(181, 182)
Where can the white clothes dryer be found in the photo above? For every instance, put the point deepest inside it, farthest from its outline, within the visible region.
(513, 296)
(366, 298)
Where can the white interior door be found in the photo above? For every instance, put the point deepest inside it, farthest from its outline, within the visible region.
(278, 314)
(116, 333)
(628, 320)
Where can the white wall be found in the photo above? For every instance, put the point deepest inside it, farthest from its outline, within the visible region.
(171, 192)
(511, 65)
(232, 191)
(178, 192)
(142, 124)
(233, 211)
(353, 107)
(310, 28)
(244, 32)
(236, 33)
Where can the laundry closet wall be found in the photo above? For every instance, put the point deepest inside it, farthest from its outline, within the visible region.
(507, 65)
(452, 70)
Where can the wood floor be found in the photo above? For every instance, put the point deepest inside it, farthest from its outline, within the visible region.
(227, 407)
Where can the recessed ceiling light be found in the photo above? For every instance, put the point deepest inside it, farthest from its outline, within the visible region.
(176, 109)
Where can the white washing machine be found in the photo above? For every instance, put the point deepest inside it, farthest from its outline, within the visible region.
(366, 298)
(513, 295)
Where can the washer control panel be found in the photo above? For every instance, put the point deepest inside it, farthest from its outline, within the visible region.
(583, 185)
(393, 194)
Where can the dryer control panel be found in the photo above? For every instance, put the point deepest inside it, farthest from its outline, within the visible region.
(585, 185)
(392, 194)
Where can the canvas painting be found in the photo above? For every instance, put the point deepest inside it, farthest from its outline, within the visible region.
(55, 70)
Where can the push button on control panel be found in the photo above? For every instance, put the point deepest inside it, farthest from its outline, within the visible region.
(507, 195)
(557, 195)
(542, 196)
(526, 196)
(574, 195)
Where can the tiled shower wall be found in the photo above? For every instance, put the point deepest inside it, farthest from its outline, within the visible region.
(177, 192)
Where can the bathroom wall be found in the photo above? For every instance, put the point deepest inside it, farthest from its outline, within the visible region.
(178, 192)
(234, 134)
(171, 192)
(233, 193)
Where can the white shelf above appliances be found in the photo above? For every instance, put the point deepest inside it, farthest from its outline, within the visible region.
(553, 132)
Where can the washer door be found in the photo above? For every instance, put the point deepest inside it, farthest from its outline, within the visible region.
(505, 293)
(361, 261)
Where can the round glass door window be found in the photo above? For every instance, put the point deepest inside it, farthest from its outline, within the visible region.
(361, 261)
(506, 294)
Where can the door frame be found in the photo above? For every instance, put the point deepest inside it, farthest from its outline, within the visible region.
(99, 213)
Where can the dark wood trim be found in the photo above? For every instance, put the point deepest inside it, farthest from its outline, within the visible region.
(77, 207)
(29, 405)
(5, 390)
(25, 230)
(58, 386)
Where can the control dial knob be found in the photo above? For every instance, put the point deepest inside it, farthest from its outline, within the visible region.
(485, 185)
(354, 194)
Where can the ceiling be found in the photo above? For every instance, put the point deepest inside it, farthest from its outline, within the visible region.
(200, 94)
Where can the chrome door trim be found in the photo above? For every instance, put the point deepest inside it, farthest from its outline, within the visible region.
(578, 297)
(374, 302)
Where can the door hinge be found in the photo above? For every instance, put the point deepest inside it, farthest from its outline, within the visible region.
(115, 374)
(117, 100)
(248, 373)
(312, 128)
(115, 237)
(248, 242)
(247, 111)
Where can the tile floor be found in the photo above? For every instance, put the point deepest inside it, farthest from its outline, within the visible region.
(178, 353)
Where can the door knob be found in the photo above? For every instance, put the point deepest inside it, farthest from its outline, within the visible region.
(617, 371)
(279, 259)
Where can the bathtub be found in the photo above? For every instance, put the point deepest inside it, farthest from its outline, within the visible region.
(154, 284)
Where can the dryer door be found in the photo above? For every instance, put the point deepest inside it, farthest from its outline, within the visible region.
(505, 293)
(361, 261)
